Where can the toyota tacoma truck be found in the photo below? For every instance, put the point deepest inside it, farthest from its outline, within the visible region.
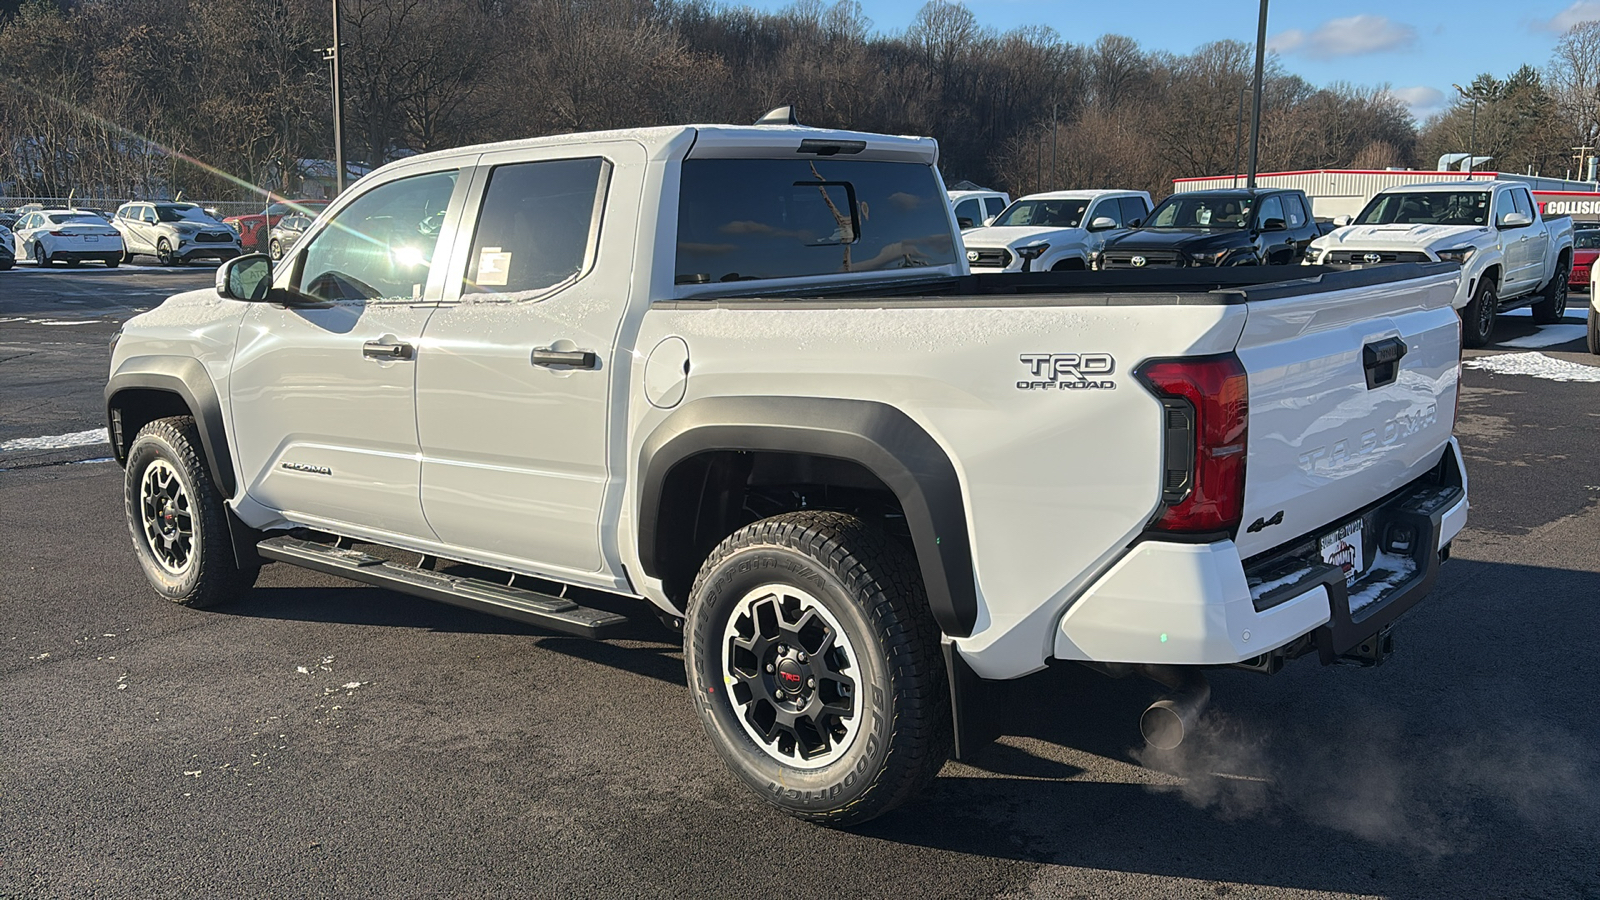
(740, 377)
(1226, 227)
(1059, 230)
(1510, 254)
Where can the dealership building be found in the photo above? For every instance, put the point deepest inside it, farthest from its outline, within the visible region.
(1343, 192)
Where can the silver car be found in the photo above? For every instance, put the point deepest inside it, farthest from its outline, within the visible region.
(174, 233)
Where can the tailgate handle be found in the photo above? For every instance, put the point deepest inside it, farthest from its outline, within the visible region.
(1381, 359)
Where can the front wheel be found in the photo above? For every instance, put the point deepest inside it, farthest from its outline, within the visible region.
(176, 517)
(814, 663)
(1553, 306)
(164, 253)
(1594, 331)
(1477, 317)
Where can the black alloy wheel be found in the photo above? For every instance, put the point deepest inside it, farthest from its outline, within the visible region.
(177, 519)
(1549, 310)
(815, 666)
(1477, 318)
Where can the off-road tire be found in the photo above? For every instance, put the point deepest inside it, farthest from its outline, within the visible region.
(1477, 317)
(1554, 305)
(1594, 331)
(210, 575)
(870, 585)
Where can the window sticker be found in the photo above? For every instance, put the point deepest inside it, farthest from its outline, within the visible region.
(494, 266)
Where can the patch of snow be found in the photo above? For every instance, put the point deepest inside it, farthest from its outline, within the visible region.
(1394, 570)
(58, 441)
(1260, 589)
(1547, 336)
(1536, 364)
(63, 321)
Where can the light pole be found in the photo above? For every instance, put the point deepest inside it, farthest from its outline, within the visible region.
(332, 56)
(1238, 136)
(1472, 139)
(1255, 103)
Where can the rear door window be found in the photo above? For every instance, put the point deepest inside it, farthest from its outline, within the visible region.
(1294, 210)
(751, 219)
(537, 226)
(993, 206)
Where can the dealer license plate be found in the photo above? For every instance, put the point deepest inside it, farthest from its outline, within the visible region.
(1342, 548)
(91, 238)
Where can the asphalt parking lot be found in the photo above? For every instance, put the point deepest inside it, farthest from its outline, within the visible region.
(318, 738)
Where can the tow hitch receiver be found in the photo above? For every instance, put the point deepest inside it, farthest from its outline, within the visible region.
(1371, 651)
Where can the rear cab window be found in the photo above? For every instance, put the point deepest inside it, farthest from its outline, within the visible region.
(756, 219)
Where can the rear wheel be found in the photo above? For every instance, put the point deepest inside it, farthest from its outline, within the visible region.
(176, 517)
(40, 257)
(815, 667)
(275, 249)
(1477, 318)
(1549, 310)
(113, 261)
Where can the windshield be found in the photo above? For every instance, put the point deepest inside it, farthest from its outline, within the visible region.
(183, 214)
(1180, 211)
(1044, 213)
(65, 218)
(744, 219)
(1427, 208)
(1587, 239)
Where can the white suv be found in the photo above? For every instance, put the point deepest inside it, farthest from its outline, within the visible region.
(1059, 230)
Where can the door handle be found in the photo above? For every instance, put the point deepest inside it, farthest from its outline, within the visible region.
(380, 350)
(1381, 360)
(577, 359)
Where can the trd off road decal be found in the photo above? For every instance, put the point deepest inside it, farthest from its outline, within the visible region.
(1068, 371)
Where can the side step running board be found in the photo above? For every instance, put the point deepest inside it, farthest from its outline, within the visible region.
(554, 613)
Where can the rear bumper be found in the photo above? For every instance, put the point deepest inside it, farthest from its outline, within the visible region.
(102, 254)
(1200, 604)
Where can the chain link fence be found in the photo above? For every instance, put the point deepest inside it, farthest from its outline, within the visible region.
(110, 204)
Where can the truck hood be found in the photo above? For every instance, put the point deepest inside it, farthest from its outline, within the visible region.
(1014, 236)
(1400, 237)
(1196, 241)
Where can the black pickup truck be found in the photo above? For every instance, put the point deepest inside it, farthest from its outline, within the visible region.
(1230, 227)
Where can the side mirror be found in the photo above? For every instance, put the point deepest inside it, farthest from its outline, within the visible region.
(1342, 221)
(989, 221)
(1103, 223)
(963, 223)
(1515, 220)
(1135, 223)
(1274, 225)
(246, 278)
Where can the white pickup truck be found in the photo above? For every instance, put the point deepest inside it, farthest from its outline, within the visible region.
(1510, 254)
(1055, 231)
(740, 377)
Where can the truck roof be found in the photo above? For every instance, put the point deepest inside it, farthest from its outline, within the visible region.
(720, 140)
(1462, 185)
(1085, 194)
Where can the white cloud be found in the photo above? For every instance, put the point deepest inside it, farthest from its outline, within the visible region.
(1423, 101)
(1576, 14)
(1351, 36)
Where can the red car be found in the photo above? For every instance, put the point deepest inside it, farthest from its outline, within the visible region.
(1585, 248)
(253, 228)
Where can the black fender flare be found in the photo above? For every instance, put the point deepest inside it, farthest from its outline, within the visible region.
(187, 378)
(884, 440)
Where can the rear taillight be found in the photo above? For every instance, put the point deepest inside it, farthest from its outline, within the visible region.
(1205, 404)
(58, 233)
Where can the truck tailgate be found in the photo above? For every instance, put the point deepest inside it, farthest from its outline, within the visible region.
(1352, 395)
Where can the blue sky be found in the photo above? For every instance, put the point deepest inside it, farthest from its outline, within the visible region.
(1418, 49)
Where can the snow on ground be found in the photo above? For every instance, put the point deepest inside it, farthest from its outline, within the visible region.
(58, 441)
(1546, 336)
(1536, 364)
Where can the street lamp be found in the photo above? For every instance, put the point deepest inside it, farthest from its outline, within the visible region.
(1472, 140)
(1255, 104)
(331, 54)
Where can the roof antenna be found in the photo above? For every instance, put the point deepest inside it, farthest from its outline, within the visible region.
(783, 115)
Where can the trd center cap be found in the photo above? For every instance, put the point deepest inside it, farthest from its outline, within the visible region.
(790, 676)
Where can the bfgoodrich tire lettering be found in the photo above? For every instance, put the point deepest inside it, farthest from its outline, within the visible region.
(869, 587)
(176, 517)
